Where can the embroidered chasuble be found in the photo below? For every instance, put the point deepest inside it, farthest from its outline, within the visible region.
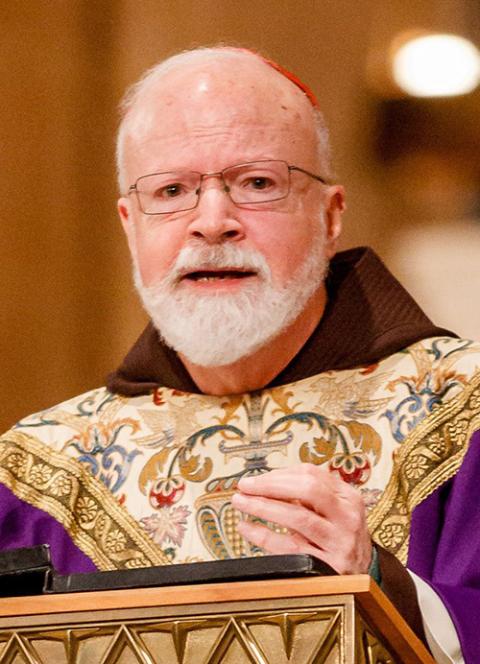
(141, 472)
(148, 479)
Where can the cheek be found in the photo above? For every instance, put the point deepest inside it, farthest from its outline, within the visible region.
(285, 241)
(156, 252)
(285, 238)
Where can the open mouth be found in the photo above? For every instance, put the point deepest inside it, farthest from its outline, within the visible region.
(217, 275)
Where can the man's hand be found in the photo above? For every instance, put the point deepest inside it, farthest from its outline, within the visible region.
(324, 515)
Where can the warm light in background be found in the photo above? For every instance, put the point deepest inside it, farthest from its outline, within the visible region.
(439, 65)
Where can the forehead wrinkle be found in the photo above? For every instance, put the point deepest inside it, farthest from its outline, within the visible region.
(216, 132)
(201, 129)
(220, 131)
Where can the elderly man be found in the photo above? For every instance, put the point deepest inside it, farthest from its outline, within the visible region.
(284, 399)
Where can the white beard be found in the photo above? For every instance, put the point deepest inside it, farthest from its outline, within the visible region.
(213, 330)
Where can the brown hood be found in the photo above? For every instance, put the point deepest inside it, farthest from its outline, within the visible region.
(369, 316)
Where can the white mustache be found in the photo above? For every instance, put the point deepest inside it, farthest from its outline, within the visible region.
(194, 258)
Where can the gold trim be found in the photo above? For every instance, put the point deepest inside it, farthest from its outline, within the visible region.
(91, 515)
(430, 455)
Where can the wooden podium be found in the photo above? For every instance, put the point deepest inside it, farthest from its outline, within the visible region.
(291, 621)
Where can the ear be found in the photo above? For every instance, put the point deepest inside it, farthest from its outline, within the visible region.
(125, 214)
(334, 207)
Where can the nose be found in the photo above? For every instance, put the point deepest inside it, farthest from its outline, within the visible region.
(216, 216)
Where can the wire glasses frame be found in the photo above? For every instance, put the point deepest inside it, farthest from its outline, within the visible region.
(247, 184)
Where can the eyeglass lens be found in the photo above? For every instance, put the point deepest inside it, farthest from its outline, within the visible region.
(175, 191)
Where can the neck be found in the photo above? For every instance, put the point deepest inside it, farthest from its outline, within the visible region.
(259, 369)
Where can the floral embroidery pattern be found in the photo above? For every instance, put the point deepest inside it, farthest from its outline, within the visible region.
(165, 492)
(434, 379)
(168, 525)
(87, 509)
(173, 460)
(391, 536)
(96, 429)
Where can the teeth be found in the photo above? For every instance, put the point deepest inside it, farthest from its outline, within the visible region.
(218, 276)
(212, 278)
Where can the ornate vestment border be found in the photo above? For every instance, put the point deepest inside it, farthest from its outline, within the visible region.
(430, 455)
(97, 523)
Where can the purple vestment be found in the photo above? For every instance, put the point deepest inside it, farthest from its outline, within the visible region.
(24, 525)
(445, 548)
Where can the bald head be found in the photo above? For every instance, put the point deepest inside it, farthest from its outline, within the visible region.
(224, 88)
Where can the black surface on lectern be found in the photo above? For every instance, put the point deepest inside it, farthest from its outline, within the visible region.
(29, 571)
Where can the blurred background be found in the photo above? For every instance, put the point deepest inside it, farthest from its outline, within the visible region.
(410, 163)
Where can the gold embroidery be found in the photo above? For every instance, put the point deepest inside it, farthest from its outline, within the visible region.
(348, 394)
(430, 455)
(97, 523)
(190, 451)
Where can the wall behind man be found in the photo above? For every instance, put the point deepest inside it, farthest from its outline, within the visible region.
(68, 309)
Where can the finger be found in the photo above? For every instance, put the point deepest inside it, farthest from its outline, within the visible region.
(312, 526)
(342, 561)
(345, 546)
(277, 543)
(314, 487)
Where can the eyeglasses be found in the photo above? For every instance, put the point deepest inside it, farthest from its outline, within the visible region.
(252, 184)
